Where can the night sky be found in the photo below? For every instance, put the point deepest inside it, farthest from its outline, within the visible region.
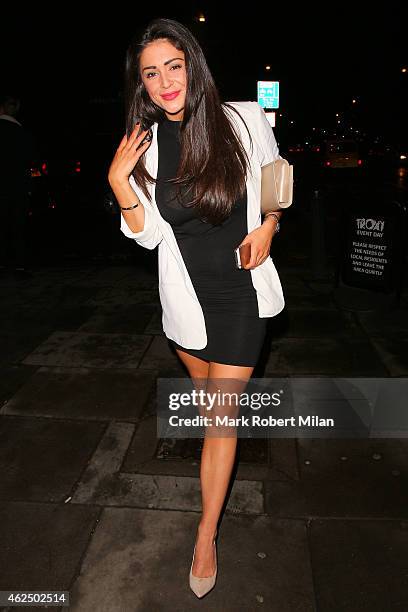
(63, 62)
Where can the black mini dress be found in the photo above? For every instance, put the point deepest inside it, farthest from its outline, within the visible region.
(235, 332)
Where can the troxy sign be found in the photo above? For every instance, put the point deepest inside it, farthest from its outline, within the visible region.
(370, 224)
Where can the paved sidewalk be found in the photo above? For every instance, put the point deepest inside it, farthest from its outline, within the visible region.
(92, 502)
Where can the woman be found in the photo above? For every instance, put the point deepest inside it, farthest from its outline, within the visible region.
(193, 190)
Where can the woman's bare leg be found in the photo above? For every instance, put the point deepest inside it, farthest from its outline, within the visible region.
(218, 454)
(217, 461)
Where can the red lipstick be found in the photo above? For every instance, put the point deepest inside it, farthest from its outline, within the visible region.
(170, 96)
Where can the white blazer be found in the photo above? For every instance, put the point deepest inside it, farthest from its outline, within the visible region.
(182, 315)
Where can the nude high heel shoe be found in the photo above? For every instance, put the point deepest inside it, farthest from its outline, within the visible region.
(202, 586)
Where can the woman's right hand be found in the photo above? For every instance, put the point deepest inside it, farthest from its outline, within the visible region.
(126, 157)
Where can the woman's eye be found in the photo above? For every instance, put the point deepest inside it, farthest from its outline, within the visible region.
(174, 66)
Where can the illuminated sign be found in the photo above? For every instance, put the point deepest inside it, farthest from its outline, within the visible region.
(268, 94)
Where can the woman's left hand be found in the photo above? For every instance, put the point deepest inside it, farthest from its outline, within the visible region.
(260, 240)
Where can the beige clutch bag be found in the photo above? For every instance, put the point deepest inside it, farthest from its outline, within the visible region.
(276, 185)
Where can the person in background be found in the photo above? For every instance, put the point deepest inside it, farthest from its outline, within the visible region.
(15, 176)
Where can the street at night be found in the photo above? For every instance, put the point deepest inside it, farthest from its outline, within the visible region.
(103, 505)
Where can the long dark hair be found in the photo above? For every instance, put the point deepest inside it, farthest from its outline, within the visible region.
(213, 161)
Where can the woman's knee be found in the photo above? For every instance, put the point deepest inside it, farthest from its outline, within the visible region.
(225, 383)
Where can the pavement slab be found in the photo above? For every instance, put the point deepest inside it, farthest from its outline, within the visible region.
(367, 571)
(257, 460)
(170, 492)
(105, 483)
(160, 355)
(95, 350)
(120, 295)
(311, 323)
(294, 285)
(101, 477)
(47, 294)
(154, 326)
(23, 319)
(391, 324)
(133, 549)
(41, 459)
(313, 301)
(127, 319)
(12, 377)
(344, 479)
(115, 275)
(42, 545)
(251, 450)
(14, 347)
(339, 356)
(83, 393)
(394, 353)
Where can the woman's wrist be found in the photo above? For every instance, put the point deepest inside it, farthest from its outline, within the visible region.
(272, 219)
(118, 183)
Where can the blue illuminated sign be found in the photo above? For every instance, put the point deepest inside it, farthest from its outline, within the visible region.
(268, 94)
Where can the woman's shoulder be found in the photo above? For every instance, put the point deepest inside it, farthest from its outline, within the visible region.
(248, 109)
(249, 106)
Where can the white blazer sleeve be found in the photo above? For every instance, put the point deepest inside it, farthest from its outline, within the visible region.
(268, 146)
(150, 236)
